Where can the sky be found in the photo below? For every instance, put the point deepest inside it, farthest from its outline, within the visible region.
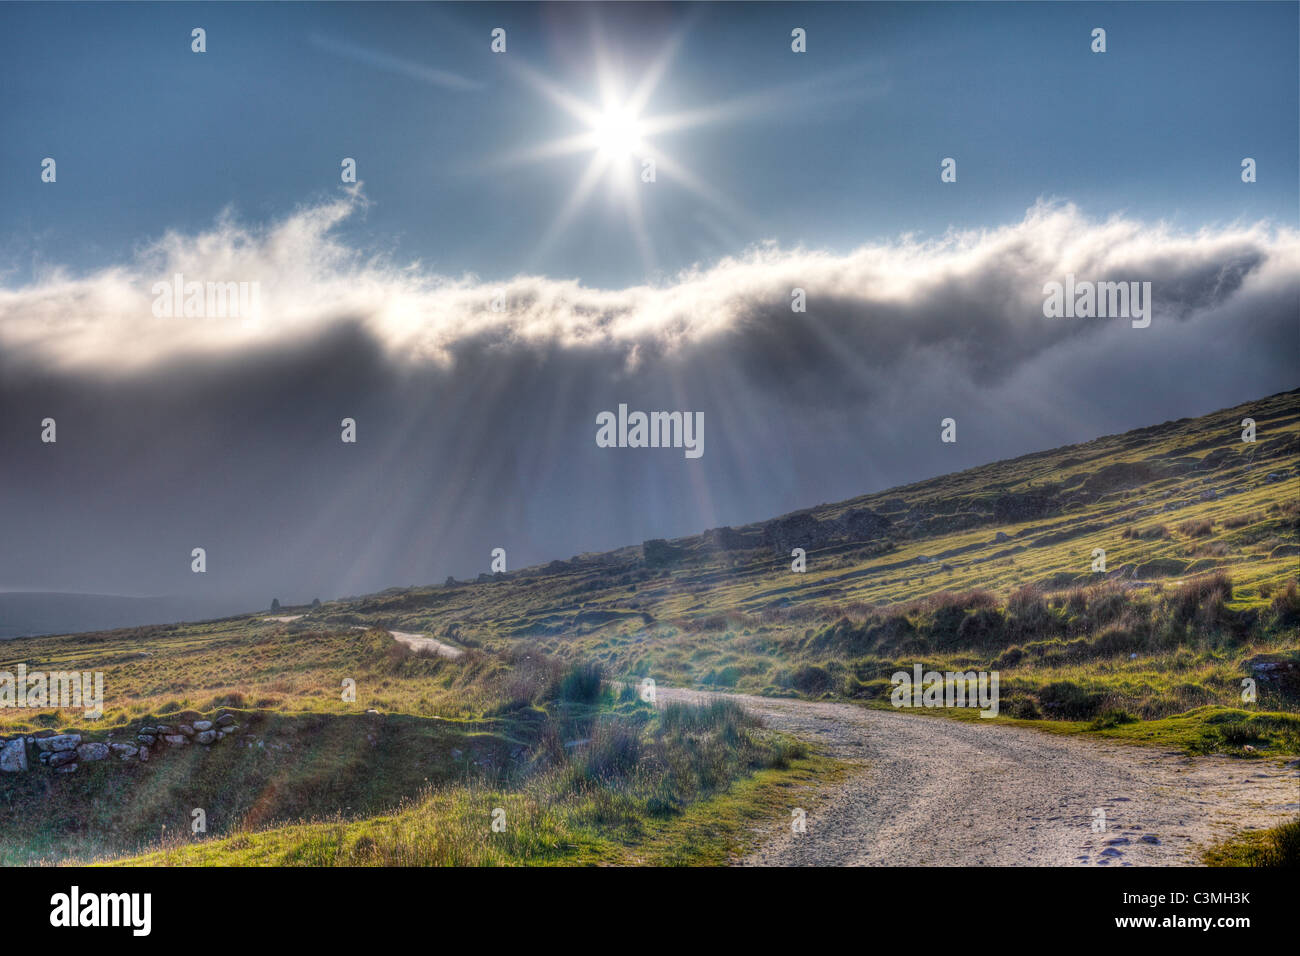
(519, 177)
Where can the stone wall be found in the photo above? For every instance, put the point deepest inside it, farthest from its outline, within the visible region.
(63, 753)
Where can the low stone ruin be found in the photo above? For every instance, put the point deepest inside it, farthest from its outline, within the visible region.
(63, 753)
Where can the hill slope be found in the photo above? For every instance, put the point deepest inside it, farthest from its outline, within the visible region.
(987, 569)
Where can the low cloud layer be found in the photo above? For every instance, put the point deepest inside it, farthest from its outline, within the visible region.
(977, 296)
(477, 427)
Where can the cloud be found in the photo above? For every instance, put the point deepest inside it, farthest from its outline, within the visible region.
(974, 297)
(477, 428)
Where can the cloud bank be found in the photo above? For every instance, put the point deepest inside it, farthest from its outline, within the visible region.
(975, 296)
(477, 428)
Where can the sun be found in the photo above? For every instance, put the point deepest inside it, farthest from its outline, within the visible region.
(617, 133)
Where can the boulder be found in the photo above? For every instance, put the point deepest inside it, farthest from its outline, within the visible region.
(185, 729)
(58, 742)
(92, 751)
(147, 739)
(150, 731)
(123, 749)
(176, 740)
(206, 736)
(202, 725)
(163, 730)
(13, 756)
(62, 757)
(1276, 671)
(225, 720)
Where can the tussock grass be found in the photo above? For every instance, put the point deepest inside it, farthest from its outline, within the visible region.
(1276, 847)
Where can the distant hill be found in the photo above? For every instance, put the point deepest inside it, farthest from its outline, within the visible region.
(29, 613)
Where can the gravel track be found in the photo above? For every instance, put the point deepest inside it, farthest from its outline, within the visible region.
(939, 792)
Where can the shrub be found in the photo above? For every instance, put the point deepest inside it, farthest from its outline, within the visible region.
(1112, 641)
(1286, 607)
(1028, 617)
(1237, 734)
(1022, 708)
(1279, 846)
(985, 628)
(1202, 603)
(613, 752)
(811, 679)
(1112, 718)
(580, 684)
(1068, 701)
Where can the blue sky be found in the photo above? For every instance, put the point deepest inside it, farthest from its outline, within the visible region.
(149, 136)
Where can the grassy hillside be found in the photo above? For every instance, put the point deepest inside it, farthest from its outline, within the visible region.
(990, 568)
(596, 768)
(987, 569)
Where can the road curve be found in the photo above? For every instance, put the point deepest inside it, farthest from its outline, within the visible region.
(937, 792)
(418, 642)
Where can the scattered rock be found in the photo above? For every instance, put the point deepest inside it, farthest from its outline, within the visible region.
(70, 768)
(13, 756)
(92, 751)
(58, 742)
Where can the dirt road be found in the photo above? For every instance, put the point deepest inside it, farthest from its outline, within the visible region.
(939, 792)
(418, 642)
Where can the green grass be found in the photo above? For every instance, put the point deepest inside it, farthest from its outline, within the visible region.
(1276, 847)
(453, 827)
(1205, 730)
(1201, 534)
